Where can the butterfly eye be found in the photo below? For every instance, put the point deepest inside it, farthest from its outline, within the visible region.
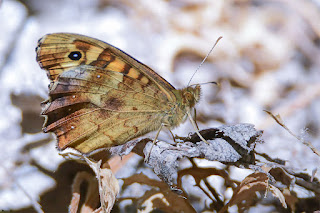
(75, 55)
(188, 96)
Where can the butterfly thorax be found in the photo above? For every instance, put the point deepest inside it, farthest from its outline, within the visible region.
(186, 100)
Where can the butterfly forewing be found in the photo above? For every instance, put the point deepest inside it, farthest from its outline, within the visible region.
(53, 55)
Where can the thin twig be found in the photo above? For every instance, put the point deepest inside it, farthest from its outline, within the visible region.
(278, 119)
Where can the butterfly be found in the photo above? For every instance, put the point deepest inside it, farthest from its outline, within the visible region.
(100, 97)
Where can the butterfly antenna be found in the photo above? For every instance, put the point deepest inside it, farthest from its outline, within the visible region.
(205, 58)
(212, 82)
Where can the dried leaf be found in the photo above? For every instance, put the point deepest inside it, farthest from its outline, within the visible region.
(161, 197)
(107, 182)
(245, 193)
(91, 201)
(228, 143)
(278, 194)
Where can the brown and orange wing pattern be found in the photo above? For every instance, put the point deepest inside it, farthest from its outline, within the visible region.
(97, 98)
(61, 51)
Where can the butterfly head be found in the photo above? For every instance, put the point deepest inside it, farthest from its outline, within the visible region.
(191, 95)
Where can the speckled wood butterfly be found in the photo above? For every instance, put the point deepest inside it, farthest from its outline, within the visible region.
(100, 96)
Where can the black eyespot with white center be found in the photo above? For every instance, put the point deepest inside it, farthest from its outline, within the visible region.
(75, 55)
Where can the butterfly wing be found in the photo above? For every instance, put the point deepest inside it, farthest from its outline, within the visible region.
(57, 52)
(104, 98)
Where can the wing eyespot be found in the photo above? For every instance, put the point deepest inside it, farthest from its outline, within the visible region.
(75, 55)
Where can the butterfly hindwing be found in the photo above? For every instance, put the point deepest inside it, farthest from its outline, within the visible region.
(93, 107)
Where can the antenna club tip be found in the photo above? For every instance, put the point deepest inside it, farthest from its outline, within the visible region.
(205, 58)
(216, 83)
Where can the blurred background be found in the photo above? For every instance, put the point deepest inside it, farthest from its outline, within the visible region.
(268, 59)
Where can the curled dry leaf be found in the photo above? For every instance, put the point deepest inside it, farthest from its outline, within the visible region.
(160, 197)
(107, 182)
(278, 194)
(246, 191)
(91, 197)
(228, 144)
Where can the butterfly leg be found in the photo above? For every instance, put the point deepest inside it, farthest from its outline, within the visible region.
(195, 128)
(194, 118)
(172, 135)
(153, 142)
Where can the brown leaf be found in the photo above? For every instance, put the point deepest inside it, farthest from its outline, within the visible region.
(245, 193)
(91, 196)
(107, 182)
(160, 197)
